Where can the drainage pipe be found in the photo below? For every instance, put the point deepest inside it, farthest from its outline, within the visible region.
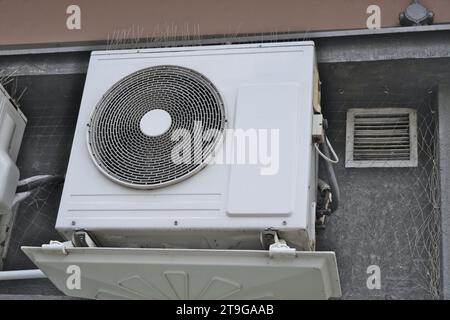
(22, 274)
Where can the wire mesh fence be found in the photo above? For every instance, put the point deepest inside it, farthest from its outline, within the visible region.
(424, 230)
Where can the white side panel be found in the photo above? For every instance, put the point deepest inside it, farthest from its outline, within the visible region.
(112, 273)
(268, 118)
(12, 127)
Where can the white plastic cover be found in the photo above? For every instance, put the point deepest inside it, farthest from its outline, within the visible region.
(12, 127)
(126, 273)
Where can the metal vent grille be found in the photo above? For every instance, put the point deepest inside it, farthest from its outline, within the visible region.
(128, 156)
(384, 137)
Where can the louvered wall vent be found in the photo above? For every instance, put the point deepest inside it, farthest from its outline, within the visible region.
(385, 137)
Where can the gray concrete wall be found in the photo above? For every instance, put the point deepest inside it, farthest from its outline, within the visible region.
(388, 216)
(444, 134)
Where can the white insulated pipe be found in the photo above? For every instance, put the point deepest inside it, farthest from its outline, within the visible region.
(22, 274)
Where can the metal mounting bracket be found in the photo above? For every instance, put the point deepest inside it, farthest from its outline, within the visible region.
(58, 246)
(279, 249)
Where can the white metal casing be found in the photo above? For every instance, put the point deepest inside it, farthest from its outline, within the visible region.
(263, 86)
(12, 127)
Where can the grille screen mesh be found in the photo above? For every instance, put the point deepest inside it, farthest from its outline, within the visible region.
(129, 157)
(381, 137)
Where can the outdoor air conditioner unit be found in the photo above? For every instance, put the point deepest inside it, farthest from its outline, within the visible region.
(12, 127)
(158, 215)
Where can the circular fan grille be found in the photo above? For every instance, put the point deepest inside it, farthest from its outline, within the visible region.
(125, 154)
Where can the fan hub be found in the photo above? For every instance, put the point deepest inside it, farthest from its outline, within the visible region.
(155, 123)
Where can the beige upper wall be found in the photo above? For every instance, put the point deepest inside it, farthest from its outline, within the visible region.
(44, 21)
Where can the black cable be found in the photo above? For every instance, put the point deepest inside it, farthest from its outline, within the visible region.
(336, 193)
